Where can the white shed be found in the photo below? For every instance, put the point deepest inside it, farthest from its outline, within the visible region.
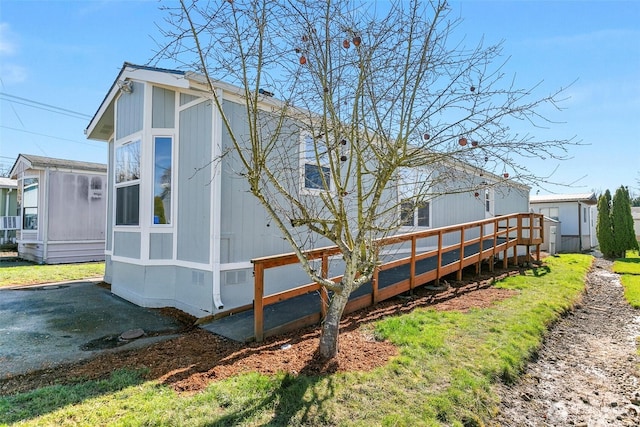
(577, 214)
(635, 213)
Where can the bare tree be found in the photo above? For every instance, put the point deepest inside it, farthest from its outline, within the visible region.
(384, 104)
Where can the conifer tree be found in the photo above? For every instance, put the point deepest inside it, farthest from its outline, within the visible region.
(604, 231)
(624, 237)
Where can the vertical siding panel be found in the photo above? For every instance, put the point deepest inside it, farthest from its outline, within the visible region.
(163, 108)
(129, 111)
(194, 189)
(73, 213)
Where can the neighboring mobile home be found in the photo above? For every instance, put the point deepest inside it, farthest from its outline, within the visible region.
(62, 209)
(8, 210)
(577, 214)
(635, 213)
(182, 226)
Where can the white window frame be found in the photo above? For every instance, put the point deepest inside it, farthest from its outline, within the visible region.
(489, 202)
(309, 158)
(416, 216)
(127, 182)
(23, 206)
(547, 211)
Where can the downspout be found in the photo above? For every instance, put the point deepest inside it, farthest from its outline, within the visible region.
(579, 227)
(216, 200)
(45, 216)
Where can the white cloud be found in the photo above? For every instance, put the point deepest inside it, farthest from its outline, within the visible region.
(11, 73)
(7, 46)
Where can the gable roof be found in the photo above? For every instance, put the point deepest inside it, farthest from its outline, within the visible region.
(39, 162)
(101, 125)
(586, 198)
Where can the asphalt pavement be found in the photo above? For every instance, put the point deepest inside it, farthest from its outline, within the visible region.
(49, 325)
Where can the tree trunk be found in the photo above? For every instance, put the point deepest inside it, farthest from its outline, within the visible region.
(328, 348)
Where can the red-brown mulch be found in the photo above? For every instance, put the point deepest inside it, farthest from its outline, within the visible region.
(191, 361)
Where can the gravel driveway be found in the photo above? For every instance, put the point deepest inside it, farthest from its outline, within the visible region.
(587, 373)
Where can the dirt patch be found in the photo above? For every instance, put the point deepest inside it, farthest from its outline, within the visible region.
(191, 361)
(586, 373)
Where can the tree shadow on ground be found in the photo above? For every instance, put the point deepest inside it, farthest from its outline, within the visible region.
(298, 400)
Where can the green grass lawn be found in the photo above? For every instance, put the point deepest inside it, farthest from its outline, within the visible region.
(444, 375)
(31, 274)
(629, 269)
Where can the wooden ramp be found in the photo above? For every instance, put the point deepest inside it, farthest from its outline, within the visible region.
(491, 240)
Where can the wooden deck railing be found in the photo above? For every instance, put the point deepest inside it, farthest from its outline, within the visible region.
(492, 237)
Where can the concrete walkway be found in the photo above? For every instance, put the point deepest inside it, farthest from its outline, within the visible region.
(44, 326)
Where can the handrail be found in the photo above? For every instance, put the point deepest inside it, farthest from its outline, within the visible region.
(503, 228)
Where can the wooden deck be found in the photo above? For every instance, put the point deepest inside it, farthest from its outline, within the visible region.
(475, 242)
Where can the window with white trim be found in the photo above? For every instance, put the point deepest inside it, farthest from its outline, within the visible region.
(415, 215)
(553, 213)
(487, 200)
(162, 162)
(315, 171)
(127, 185)
(30, 195)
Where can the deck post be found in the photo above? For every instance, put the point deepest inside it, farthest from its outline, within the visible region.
(374, 285)
(505, 257)
(412, 266)
(495, 243)
(459, 272)
(258, 307)
(531, 218)
(479, 263)
(438, 266)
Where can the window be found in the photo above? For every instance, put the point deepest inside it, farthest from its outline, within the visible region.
(487, 201)
(95, 189)
(552, 213)
(316, 173)
(30, 203)
(584, 215)
(162, 180)
(412, 216)
(127, 174)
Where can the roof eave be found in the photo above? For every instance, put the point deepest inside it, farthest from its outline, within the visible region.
(104, 116)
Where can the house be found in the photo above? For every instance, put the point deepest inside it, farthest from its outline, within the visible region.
(577, 215)
(8, 210)
(62, 209)
(182, 226)
(635, 213)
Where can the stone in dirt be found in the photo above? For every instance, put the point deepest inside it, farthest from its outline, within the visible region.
(132, 334)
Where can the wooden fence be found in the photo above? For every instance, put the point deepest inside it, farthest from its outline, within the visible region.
(492, 237)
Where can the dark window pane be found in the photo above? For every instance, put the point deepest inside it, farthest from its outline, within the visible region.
(128, 162)
(423, 215)
(127, 205)
(313, 177)
(406, 213)
(30, 219)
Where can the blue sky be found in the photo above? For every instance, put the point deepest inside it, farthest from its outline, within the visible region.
(64, 54)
